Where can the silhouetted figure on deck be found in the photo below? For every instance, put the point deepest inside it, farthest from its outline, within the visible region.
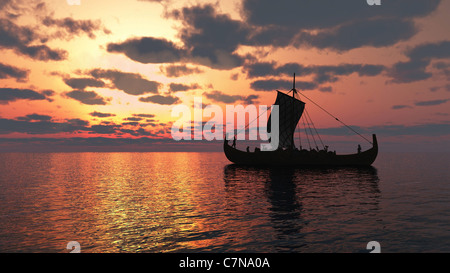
(248, 149)
(359, 149)
(234, 142)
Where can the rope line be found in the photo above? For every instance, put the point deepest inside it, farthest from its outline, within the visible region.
(253, 121)
(314, 127)
(312, 134)
(299, 135)
(336, 119)
(306, 132)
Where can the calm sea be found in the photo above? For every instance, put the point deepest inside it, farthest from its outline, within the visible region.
(198, 202)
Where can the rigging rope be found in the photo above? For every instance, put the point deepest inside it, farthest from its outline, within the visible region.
(337, 119)
(317, 133)
(312, 134)
(306, 132)
(299, 136)
(253, 121)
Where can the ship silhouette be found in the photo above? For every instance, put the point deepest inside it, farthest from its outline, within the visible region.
(291, 109)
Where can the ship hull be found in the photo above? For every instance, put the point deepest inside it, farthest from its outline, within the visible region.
(301, 158)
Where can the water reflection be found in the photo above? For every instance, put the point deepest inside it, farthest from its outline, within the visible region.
(181, 202)
(285, 206)
(306, 206)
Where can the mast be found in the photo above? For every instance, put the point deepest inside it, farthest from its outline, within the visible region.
(294, 91)
(294, 122)
(293, 88)
(290, 112)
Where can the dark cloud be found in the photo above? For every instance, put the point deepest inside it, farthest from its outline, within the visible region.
(159, 99)
(20, 38)
(321, 73)
(130, 83)
(4, 3)
(14, 35)
(442, 114)
(400, 106)
(35, 117)
(218, 96)
(53, 127)
(430, 51)
(130, 123)
(152, 124)
(209, 39)
(435, 88)
(276, 36)
(326, 89)
(149, 50)
(8, 71)
(133, 118)
(250, 99)
(441, 65)
(303, 14)
(12, 94)
(444, 67)
(176, 87)
(272, 84)
(73, 27)
(304, 85)
(77, 142)
(342, 25)
(87, 97)
(101, 115)
(157, 141)
(431, 102)
(174, 71)
(82, 83)
(331, 73)
(38, 126)
(221, 97)
(411, 71)
(359, 34)
(103, 129)
(48, 93)
(152, 143)
(43, 53)
(262, 69)
(420, 57)
(32, 41)
(78, 122)
(144, 115)
(138, 132)
(212, 37)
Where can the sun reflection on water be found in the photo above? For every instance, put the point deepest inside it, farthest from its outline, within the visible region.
(173, 202)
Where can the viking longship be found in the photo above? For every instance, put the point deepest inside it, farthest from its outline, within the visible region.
(291, 109)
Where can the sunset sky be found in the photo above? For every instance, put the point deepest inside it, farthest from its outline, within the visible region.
(105, 74)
